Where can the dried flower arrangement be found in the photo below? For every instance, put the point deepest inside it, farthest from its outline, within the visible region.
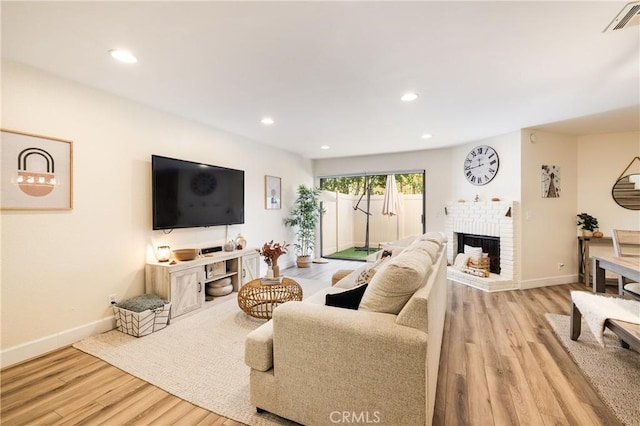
(272, 251)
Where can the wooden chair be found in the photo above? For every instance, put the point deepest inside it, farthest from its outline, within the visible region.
(626, 243)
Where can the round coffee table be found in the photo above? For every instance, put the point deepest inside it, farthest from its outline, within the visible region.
(259, 299)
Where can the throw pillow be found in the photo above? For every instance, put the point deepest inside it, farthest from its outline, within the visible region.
(461, 260)
(367, 274)
(473, 251)
(396, 281)
(349, 299)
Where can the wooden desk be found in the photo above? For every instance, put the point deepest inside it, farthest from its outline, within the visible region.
(626, 266)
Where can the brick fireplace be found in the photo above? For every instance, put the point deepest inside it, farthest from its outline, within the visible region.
(497, 220)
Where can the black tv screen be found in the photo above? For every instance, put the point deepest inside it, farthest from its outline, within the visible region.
(188, 194)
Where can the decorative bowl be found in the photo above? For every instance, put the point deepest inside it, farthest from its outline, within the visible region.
(186, 254)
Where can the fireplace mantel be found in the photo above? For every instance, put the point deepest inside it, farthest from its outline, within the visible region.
(490, 218)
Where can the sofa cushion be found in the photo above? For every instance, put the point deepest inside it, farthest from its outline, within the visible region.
(438, 237)
(430, 247)
(395, 282)
(414, 313)
(349, 299)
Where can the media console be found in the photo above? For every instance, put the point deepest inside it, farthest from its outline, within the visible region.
(184, 283)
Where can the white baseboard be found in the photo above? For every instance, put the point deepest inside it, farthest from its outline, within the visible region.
(549, 281)
(38, 347)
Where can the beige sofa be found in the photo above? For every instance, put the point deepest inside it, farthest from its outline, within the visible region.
(320, 365)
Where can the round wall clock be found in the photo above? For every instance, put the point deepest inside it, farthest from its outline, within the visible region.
(203, 183)
(481, 165)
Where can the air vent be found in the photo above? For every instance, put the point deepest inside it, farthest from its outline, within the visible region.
(628, 16)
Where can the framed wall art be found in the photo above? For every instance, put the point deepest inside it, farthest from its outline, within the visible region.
(550, 181)
(272, 189)
(37, 172)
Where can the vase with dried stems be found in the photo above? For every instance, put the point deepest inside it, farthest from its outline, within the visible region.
(271, 252)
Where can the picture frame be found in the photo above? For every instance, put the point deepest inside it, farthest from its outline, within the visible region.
(550, 176)
(36, 172)
(272, 192)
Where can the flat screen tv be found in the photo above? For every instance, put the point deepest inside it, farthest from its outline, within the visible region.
(188, 194)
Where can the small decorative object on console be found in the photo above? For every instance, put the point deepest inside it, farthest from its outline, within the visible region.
(163, 253)
(240, 242)
(186, 254)
(230, 246)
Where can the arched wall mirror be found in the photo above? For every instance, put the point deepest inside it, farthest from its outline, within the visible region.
(626, 191)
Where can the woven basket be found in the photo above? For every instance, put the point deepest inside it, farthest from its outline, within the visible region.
(140, 324)
(479, 262)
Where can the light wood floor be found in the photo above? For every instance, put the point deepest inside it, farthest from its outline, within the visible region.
(501, 364)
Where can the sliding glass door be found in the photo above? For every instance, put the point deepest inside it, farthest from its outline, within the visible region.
(364, 211)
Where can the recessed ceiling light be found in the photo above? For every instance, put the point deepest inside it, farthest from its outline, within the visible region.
(408, 97)
(427, 136)
(267, 121)
(123, 56)
(325, 147)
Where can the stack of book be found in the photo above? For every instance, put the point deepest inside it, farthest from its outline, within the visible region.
(269, 281)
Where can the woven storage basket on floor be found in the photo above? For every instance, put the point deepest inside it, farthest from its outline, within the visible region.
(140, 324)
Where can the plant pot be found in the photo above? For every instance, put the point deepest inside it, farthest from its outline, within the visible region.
(598, 234)
(586, 233)
(304, 261)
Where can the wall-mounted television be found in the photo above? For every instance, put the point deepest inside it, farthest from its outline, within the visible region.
(187, 194)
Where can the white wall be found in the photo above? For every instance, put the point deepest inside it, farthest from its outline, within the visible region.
(601, 160)
(59, 267)
(597, 173)
(548, 225)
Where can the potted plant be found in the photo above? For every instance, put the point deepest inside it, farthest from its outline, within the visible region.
(588, 224)
(305, 216)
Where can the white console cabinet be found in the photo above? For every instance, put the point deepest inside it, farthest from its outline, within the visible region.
(183, 283)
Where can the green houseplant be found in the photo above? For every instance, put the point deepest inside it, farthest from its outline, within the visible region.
(305, 216)
(587, 223)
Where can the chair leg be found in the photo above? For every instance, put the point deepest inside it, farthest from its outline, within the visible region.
(620, 285)
(260, 410)
(576, 322)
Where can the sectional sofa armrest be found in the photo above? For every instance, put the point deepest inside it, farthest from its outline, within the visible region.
(258, 348)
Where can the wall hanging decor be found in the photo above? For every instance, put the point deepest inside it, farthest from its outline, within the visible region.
(626, 190)
(272, 189)
(37, 172)
(550, 181)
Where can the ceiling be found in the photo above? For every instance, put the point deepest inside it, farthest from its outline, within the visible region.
(332, 73)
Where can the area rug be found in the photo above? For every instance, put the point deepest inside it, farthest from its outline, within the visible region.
(199, 358)
(613, 371)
